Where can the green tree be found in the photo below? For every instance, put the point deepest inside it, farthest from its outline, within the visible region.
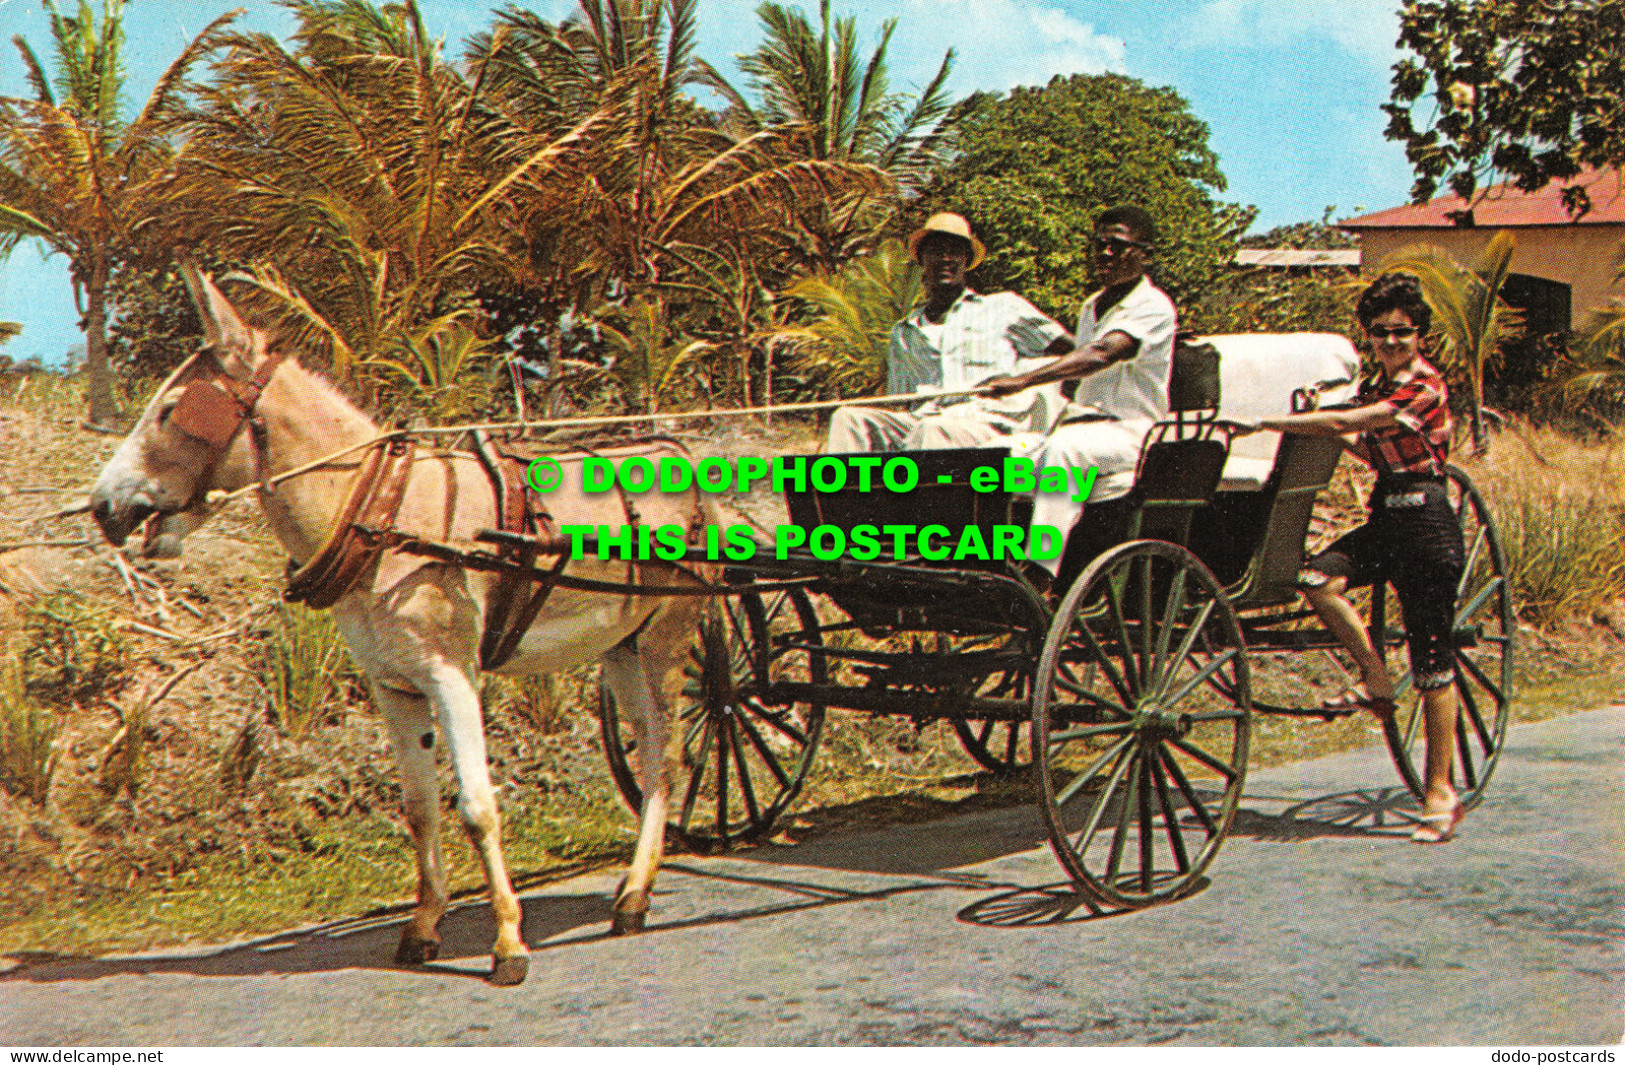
(75, 175)
(1035, 168)
(843, 345)
(1530, 88)
(1471, 322)
(653, 358)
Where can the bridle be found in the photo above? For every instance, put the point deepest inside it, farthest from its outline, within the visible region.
(214, 408)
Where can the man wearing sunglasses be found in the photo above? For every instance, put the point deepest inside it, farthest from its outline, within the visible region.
(1125, 348)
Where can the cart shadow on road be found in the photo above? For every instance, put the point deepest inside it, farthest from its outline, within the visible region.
(1379, 813)
(907, 859)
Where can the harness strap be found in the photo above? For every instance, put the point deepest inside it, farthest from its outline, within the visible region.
(518, 510)
(374, 501)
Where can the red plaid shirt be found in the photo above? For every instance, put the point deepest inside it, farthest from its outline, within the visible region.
(1420, 442)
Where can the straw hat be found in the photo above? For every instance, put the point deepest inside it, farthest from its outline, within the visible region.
(955, 226)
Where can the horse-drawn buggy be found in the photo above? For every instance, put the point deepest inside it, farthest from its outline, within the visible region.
(1132, 694)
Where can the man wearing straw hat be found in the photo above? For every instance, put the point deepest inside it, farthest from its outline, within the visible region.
(956, 342)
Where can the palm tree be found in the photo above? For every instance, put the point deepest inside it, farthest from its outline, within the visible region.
(844, 345)
(672, 208)
(373, 186)
(74, 175)
(652, 357)
(1471, 322)
(1600, 374)
(816, 81)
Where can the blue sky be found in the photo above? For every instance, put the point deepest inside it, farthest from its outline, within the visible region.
(1291, 89)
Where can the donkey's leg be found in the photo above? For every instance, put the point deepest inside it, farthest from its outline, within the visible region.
(625, 673)
(457, 699)
(411, 735)
(646, 676)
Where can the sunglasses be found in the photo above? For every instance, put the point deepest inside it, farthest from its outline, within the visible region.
(1118, 245)
(1398, 332)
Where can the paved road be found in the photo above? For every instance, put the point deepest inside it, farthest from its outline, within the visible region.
(1320, 926)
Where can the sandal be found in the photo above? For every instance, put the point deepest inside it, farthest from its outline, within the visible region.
(1355, 699)
(1438, 828)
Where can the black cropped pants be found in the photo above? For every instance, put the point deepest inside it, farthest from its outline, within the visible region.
(1413, 541)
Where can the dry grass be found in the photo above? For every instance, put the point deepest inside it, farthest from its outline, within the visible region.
(1559, 503)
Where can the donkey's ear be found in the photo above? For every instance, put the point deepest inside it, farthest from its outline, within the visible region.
(222, 327)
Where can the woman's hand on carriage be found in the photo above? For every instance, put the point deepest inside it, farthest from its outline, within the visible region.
(1240, 427)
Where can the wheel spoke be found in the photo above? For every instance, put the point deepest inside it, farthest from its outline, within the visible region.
(695, 779)
(1185, 789)
(1483, 678)
(1147, 677)
(1212, 666)
(1114, 860)
(780, 722)
(1131, 671)
(1187, 641)
(1112, 675)
(1170, 818)
(764, 751)
(1212, 761)
(1170, 618)
(1479, 598)
(1469, 772)
(722, 784)
(1076, 784)
(1147, 836)
(1082, 732)
(1470, 707)
(752, 809)
(1472, 560)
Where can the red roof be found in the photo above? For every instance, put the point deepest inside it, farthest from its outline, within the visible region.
(1507, 205)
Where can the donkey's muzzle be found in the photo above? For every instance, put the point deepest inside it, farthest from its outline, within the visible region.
(117, 523)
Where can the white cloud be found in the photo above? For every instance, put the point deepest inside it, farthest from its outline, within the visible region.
(1363, 27)
(998, 44)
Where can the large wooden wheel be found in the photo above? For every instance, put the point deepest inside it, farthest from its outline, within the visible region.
(746, 752)
(1484, 628)
(1141, 720)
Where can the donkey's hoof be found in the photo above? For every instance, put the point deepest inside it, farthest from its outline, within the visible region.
(627, 923)
(506, 972)
(414, 951)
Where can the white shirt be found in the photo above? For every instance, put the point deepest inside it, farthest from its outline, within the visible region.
(980, 337)
(1136, 388)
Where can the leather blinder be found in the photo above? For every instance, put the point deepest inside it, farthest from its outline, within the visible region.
(208, 413)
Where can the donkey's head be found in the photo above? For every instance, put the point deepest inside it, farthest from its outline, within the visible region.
(191, 437)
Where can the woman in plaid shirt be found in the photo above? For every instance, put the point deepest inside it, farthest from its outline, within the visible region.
(1400, 425)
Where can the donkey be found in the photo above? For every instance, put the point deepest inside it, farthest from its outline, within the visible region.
(414, 625)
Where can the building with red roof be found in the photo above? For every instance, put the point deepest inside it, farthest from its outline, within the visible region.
(1563, 268)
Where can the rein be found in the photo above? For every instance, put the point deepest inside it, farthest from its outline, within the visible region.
(219, 497)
